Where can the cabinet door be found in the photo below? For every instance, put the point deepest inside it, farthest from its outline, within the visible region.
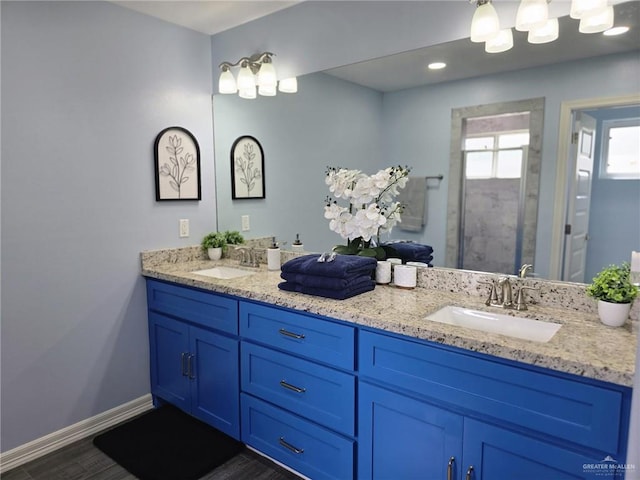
(401, 437)
(215, 384)
(496, 453)
(169, 350)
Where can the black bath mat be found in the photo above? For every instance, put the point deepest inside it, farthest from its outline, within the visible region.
(167, 444)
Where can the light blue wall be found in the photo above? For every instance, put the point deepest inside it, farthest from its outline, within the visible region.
(614, 220)
(301, 135)
(418, 123)
(86, 87)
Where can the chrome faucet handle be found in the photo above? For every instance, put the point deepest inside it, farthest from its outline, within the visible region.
(521, 302)
(492, 299)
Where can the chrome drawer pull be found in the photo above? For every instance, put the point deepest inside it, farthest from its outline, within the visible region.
(183, 364)
(286, 333)
(450, 468)
(469, 472)
(192, 372)
(292, 387)
(295, 450)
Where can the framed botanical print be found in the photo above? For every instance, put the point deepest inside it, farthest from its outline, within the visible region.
(177, 165)
(247, 169)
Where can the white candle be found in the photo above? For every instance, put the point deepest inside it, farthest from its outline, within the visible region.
(635, 261)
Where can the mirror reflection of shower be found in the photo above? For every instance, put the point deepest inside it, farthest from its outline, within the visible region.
(493, 187)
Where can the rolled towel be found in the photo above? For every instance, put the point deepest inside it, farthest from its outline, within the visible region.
(343, 266)
(327, 293)
(329, 283)
(412, 252)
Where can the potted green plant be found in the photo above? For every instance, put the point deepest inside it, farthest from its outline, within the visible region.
(233, 237)
(214, 243)
(614, 292)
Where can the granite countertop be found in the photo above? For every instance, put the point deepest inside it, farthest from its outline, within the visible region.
(583, 346)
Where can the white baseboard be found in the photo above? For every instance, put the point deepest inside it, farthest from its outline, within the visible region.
(49, 443)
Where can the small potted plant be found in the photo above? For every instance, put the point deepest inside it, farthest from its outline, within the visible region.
(233, 237)
(614, 292)
(214, 243)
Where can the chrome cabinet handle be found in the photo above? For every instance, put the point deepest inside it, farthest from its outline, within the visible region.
(292, 387)
(183, 364)
(469, 472)
(286, 333)
(450, 468)
(287, 445)
(192, 373)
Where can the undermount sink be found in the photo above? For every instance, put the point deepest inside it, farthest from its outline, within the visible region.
(517, 327)
(224, 273)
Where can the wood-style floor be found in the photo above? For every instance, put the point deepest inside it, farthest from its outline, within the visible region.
(82, 461)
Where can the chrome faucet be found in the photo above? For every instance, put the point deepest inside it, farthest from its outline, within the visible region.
(247, 257)
(524, 269)
(506, 299)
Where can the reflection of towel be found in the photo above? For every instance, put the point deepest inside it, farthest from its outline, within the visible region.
(344, 266)
(330, 283)
(328, 293)
(412, 252)
(414, 199)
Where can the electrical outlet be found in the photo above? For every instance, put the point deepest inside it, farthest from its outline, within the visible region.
(184, 227)
(246, 226)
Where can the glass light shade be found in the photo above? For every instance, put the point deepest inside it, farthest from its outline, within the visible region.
(249, 93)
(500, 43)
(288, 85)
(246, 80)
(267, 90)
(598, 22)
(586, 7)
(531, 14)
(267, 76)
(226, 83)
(547, 33)
(485, 23)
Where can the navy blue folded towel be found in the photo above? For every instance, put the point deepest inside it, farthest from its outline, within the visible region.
(330, 283)
(343, 266)
(329, 293)
(412, 252)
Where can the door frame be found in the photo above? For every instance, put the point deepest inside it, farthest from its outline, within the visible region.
(567, 108)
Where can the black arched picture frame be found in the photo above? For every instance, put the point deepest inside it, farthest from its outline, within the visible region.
(177, 165)
(247, 169)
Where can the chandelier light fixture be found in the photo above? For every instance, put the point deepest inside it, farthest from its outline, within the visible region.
(533, 17)
(256, 76)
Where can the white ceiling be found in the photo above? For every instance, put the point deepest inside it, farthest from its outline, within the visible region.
(207, 16)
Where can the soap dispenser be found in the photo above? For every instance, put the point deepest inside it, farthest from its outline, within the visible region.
(273, 255)
(297, 246)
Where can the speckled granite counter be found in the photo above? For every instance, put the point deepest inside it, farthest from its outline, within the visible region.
(583, 346)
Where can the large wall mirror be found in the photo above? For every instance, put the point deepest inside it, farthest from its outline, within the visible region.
(382, 113)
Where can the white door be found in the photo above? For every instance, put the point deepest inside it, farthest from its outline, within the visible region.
(577, 224)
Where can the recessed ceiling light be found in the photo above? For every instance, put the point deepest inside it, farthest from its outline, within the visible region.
(436, 65)
(615, 31)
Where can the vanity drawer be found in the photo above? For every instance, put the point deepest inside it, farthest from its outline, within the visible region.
(303, 335)
(318, 393)
(205, 309)
(579, 412)
(311, 450)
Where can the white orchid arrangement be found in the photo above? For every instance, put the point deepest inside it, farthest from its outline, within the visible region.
(371, 208)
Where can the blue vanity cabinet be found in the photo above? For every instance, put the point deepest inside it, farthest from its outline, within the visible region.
(194, 366)
(298, 390)
(421, 404)
(403, 437)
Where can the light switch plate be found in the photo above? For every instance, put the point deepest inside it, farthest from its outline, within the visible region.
(184, 227)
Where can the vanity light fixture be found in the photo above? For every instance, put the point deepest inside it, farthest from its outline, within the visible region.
(612, 32)
(256, 73)
(533, 17)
